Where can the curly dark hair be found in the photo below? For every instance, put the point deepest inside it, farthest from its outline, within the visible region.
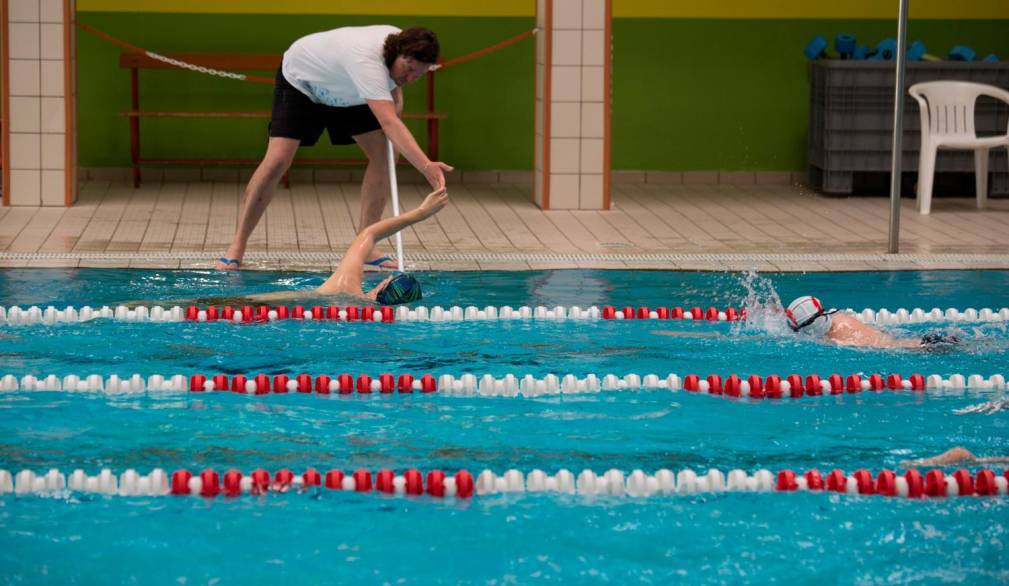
(419, 43)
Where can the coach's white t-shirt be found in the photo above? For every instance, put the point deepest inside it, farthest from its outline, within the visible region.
(341, 67)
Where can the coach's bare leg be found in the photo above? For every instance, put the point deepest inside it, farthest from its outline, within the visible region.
(375, 187)
(259, 192)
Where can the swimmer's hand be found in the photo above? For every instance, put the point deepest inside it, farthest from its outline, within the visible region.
(433, 203)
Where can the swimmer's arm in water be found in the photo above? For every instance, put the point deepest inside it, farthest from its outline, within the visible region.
(689, 334)
(953, 456)
(350, 273)
(685, 334)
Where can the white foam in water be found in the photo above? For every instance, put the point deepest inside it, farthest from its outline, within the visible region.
(763, 307)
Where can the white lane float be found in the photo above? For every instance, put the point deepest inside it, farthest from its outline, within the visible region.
(209, 483)
(35, 315)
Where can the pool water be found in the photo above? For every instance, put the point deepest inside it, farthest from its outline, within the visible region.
(326, 537)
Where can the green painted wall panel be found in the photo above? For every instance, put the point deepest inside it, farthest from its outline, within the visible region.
(489, 101)
(733, 94)
(688, 94)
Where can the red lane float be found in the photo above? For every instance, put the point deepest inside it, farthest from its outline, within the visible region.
(436, 483)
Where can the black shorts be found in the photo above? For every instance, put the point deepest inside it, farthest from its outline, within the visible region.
(296, 116)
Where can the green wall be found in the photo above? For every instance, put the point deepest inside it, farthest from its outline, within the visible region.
(733, 94)
(489, 101)
(688, 94)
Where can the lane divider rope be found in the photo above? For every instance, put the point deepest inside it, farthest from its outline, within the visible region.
(615, 483)
(16, 315)
(510, 385)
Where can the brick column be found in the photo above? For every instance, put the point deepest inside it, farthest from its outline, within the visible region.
(39, 103)
(573, 66)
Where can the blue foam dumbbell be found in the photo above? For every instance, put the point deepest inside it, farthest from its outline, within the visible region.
(918, 52)
(816, 49)
(861, 52)
(962, 53)
(991, 58)
(886, 50)
(844, 44)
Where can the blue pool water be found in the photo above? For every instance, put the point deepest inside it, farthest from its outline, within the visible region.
(335, 537)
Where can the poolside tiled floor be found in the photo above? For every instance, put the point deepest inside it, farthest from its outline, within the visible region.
(686, 227)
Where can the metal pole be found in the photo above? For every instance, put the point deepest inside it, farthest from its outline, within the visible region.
(395, 200)
(898, 131)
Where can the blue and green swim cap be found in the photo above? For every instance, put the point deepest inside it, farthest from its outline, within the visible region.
(403, 288)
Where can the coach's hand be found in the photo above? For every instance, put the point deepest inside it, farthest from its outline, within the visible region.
(434, 172)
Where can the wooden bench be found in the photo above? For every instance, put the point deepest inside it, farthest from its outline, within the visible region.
(235, 63)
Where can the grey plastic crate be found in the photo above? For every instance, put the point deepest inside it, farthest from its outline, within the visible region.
(851, 120)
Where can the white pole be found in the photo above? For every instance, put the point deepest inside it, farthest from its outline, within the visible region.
(898, 131)
(395, 199)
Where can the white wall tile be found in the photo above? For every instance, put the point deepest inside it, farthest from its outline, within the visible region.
(590, 192)
(53, 115)
(593, 88)
(51, 44)
(566, 120)
(566, 84)
(25, 115)
(24, 40)
(538, 187)
(592, 120)
(564, 153)
(538, 124)
(538, 153)
(53, 151)
(23, 11)
(591, 155)
(26, 188)
(24, 77)
(594, 14)
(51, 78)
(567, 47)
(593, 48)
(563, 192)
(567, 14)
(53, 188)
(26, 150)
(51, 11)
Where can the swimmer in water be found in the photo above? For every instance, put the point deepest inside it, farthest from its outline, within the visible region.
(347, 280)
(807, 317)
(954, 457)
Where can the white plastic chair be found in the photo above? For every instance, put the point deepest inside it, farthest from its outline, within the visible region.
(947, 122)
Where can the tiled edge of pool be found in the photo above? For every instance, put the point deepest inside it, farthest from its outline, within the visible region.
(455, 261)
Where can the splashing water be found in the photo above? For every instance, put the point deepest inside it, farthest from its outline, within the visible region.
(763, 307)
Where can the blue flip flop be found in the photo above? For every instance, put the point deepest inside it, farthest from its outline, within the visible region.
(378, 261)
(230, 261)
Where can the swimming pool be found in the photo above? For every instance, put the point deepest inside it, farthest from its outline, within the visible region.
(328, 536)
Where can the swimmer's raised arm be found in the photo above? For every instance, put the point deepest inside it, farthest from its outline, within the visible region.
(348, 275)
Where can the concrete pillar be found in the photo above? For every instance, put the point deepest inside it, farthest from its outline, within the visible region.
(39, 102)
(573, 72)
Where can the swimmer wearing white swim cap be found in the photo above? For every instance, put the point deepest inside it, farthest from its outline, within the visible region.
(806, 316)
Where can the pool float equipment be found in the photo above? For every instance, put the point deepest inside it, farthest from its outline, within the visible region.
(886, 50)
(962, 53)
(919, 52)
(35, 315)
(209, 483)
(510, 385)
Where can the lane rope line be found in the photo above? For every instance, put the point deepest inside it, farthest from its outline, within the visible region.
(269, 81)
(754, 386)
(436, 483)
(16, 315)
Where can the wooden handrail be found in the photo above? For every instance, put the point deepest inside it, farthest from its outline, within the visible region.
(264, 114)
